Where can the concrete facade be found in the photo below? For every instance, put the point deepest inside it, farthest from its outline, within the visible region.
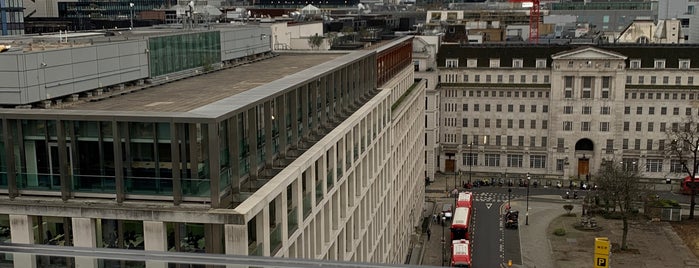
(324, 162)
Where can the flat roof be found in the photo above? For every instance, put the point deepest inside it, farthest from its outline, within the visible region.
(195, 92)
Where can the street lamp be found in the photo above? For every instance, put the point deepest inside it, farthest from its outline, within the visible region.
(444, 241)
(470, 161)
(509, 192)
(131, 13)
(526, 219)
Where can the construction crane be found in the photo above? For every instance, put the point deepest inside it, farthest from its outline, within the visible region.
(534, 16)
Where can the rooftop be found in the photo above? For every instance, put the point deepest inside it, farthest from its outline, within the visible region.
(192, 93)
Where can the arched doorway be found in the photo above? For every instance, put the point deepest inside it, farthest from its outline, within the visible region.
(584, 147)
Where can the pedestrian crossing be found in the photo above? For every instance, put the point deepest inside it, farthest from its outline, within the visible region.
(493, 197)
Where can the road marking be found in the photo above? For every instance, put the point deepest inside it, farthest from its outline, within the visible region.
(488, 205)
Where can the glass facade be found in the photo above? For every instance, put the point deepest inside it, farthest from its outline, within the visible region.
(175, 53)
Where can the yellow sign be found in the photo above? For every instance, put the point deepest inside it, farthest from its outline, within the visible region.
(601, 261)
(602, 246)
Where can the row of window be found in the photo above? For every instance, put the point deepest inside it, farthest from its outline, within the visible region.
(659, 96)
(586, 126)
(487, 123)
(604, 110)
(452, 107)
(665, 80)
(663, 110)
(497, 141)
(541, 63)
(512, 160)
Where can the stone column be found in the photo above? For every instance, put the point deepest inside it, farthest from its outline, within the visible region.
(84, 235)
(236, 239)
(22, 232)
(155, 239)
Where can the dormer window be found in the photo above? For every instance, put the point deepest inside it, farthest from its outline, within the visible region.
(471, 63)
(540, 63)
(684, 64)
(659, 64)
(452, 63)
(517, 63)
(635, 64)
(494, 63)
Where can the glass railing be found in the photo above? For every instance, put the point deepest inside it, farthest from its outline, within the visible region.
(275, 239)
(148, 185)
(255, 249)
(292, 221)
(39, 181)
(196, 187)
(330, 179)
(339, 173)
(319, 191)
(225, 179)
(306, 204)
(94, 183)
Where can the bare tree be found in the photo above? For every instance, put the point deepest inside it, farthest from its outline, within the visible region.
(684, 147)
(621, 185)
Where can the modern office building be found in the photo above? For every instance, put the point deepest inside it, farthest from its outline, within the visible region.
(558, 112)
(306, 155)
(11, 17)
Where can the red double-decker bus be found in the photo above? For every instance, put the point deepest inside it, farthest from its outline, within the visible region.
(465, 200)
(688, 184)
(460, 223)
(461, 253)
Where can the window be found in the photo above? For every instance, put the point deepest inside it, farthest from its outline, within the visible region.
(626, 126)
(510, 107)
(477, 78)
(498, 108)
(470, 159)
(560, 145)
(659, 64)
(560, 163)
(635, 64)
(628, 79)
(676, 166)
(544, 124)
(540, 63)
(652, 80)
(587, 110)
(625, 144)
(609, 149)
(492, 160)
(517, 63)
(498, 140)
(654, 165)
(545, 108)
(587, 87)
(678, 80)
(584, 126)
(487, 107)
(465, 79)
(533, 108)
(475, 122)
(663, 126)
(520, 141)
(544, 142)
(604, 126)
(630, 164)
(604, 110)
(521, 108)
(641, 79)
(650, 126)
(649, 144)
(522, 78)
(567, 109)
(486, 123)
(690, 80)
(521, 123)
(684, 64)
(487, 78)
(666, 80)
(688, 111)
(606, 82)
(511, 79)
(499, 81)
(465, 107)
(661, 145)
(509, 123)
(567, 125)
(663, 110)
(568, 82)
(651, 110)
(637, 144)
(471, 63)
(546, 80)
(452, 63)
(639, 110)
(535, 78)
(676, 111)
(476, 107)
(494, 63)
(532, 125)
(537, 161)
(514, 160)
(498, 123)
(627, 110)
(464, 122)
(509, 140)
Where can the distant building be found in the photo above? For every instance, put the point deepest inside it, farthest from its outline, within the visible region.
(559, 112)
(11, 17)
